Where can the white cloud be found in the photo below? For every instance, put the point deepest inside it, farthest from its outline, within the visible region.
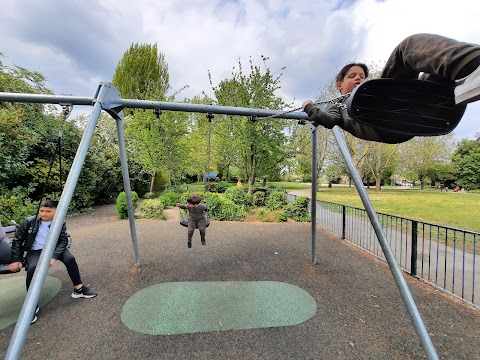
(77, 44)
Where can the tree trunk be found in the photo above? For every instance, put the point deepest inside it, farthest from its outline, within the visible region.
(378, 182)
(251, 181)
(152, 183)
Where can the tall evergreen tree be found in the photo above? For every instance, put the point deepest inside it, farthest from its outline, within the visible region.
(142, 74)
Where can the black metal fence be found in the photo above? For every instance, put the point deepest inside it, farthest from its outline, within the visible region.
(444, 257)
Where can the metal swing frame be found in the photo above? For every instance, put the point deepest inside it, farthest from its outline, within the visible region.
(108, 98)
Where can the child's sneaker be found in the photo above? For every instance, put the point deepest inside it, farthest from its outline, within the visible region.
(203, 241)
(83, 292)
(467, 89)
(189, 244)
(37, 309)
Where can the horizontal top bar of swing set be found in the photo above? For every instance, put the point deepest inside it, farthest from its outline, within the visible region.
(148, 104)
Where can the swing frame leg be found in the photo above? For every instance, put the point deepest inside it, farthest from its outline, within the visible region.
(392, 263)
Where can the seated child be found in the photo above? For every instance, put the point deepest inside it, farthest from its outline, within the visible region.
(196, 217)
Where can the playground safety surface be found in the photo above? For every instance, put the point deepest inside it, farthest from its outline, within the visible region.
(359, 312)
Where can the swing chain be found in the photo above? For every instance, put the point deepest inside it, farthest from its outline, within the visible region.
(158, 113)
(66, 110)
(335, 101)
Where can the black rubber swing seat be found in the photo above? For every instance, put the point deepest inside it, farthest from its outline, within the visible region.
(410, 107)
(184, 221)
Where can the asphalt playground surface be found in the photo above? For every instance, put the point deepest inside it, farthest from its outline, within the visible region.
(359, 313)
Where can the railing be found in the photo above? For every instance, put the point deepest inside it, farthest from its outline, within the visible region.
(443, 257)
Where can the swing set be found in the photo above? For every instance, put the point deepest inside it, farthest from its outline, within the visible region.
(410, 107)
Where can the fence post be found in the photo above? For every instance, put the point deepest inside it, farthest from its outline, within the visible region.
(344, 221)
(413, 260)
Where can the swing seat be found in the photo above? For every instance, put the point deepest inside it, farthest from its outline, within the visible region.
(184, 222)
(410, 107)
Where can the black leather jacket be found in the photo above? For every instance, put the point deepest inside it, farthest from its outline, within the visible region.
(25, 236)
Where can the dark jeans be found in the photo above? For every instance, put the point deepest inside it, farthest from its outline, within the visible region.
(440, 57)
(67, 258)
(192, 225)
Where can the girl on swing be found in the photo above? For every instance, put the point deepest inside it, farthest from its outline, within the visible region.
(439, 58)
(196, 217)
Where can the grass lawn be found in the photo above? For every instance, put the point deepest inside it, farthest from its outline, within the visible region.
(291, 185)
(459, 210)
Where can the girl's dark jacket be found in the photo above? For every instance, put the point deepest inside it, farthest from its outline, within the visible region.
(332, 115)
(25, 236)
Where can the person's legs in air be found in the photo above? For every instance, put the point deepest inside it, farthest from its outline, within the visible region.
(191, 228)
(441, 58)
(202, 228)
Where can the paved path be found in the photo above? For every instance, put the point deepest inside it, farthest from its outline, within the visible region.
(359, 311)
(446, 266)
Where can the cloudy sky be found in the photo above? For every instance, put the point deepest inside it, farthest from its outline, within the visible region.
(78, 43)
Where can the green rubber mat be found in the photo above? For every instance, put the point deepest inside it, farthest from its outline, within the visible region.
(12, 296)
(190, 307)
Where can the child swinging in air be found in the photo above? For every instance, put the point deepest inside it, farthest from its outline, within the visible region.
(196, 217)
(420, 56)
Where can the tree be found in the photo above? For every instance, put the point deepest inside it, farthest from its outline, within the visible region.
(467, 160)
(142, 73)
(21, 125)
(157, 142)
(443, 172)
(380, 158)
(301, 147)
(257, 147)
(30, 158)
(333, 173)
(201, 142)
(25, 133)
(420, 154)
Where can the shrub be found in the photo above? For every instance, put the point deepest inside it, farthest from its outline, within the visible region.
(214, 203)
(184, 196)
(276, 200)
(282, 216)
(239, 197)
(152, 209)
(122, 212)
(17, 205)
(225, 209)
(222, 186)
(170, 198)
(262, 215)
(150, 195)
(298, 211)
(259, 198)
(211, 187)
